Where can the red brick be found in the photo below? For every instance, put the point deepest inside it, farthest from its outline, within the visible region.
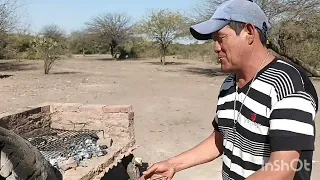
(117, 108)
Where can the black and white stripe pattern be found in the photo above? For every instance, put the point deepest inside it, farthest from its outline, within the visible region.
(278, 114)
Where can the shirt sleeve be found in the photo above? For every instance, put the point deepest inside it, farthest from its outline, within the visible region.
(215, 123)
(292, 125)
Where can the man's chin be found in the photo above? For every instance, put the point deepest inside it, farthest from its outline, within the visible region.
(225, 70)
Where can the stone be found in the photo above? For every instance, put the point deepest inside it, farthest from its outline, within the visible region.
(104, 140)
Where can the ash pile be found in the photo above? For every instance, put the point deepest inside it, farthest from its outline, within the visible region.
(69, 149)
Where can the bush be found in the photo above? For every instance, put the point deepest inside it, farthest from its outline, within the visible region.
(48, 50)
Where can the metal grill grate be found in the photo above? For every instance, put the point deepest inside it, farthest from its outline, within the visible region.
(60, 142)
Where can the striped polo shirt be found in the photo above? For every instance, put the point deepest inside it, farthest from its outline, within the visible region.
(277, 115)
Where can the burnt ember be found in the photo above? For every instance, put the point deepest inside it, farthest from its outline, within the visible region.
(63, 147)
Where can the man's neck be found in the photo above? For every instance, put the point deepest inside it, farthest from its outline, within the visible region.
(250, 69)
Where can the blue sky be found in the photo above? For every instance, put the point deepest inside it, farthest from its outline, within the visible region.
(72, 14)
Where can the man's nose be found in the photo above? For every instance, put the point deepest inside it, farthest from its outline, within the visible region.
(217, 47)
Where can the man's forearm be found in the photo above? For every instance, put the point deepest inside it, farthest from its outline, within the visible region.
(206, 151)
(282, 165)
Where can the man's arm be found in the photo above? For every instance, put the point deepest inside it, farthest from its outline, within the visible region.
(208, 150)
(281, 165)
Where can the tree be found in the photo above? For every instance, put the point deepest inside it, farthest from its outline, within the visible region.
(298, 41)
(291, 20)
(53, 32)
(9, 20)
(111, 29)
(48, 50)
(163, 27)
(79, 40)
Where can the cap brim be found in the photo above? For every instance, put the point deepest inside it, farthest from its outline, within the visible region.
(204, 30)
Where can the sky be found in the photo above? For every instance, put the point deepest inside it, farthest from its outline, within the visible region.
(72, 14)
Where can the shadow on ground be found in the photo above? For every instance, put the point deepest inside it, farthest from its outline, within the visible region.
(2, 76)
(210, 72)
(122, 59)
(16, 66)
(105, 59)
(67, 72)
(167, 63)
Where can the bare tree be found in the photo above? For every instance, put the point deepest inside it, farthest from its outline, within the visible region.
(282, 13)
(112, 29)
(163, 27)
(204, 10)
(9, 19)
(8, 15)
(53, 32)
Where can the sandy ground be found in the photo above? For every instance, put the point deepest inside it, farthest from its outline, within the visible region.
(174, 104)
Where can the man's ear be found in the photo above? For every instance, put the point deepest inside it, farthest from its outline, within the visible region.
(249, 29)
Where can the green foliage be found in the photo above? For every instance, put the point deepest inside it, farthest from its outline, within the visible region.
(140, 48)
(163, 27)
(80, 42)
(17, 46)
(48, 50)
(204, 52)
(300, 38)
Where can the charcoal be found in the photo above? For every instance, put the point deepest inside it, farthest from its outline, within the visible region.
(80, 147)
(103, 146)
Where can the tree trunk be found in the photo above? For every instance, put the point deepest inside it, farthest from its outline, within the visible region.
(112, 51)
(83, 52)
(312, 70)
(46, 67)
(163, 48)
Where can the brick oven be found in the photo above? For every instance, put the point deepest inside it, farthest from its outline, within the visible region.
(78, 141)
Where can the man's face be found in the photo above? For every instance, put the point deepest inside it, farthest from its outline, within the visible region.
(230, 48)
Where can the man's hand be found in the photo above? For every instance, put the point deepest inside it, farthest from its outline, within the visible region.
(161, 169)
(206, 151)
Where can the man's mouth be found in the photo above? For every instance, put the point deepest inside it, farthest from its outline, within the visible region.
(220, 59)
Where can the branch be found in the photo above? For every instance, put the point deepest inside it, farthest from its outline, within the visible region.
(313, 71)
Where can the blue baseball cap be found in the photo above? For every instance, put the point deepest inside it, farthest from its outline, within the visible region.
(245, 11)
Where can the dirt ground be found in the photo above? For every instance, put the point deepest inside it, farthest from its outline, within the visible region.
(174, 104)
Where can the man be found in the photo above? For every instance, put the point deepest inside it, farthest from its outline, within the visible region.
(264, 125)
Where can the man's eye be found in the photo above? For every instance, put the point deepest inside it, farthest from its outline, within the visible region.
(220, 39)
